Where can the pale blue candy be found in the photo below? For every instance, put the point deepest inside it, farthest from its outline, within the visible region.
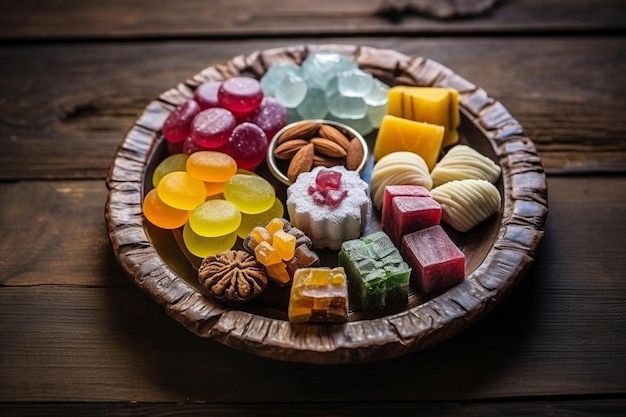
(362, 125)
(355, 83)
(332, 87)
(320, 67)
(375, 114)
(274, 76)
(314, 105)
(378, 95)
(291, 90)
(347, 107)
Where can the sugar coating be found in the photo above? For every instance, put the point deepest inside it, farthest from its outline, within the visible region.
(463, 162)
(436, 261)
(378, 275)
(398, 168)
(465, 203)
(328, 226)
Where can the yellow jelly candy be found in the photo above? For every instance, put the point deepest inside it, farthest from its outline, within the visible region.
(249, 221)
(433, 105)
(275, 225)
(215, 218)
(284, 243)
(259, 234)
(398, 134)
(251, 194)
(211, 166)
(202, 246)
(266, 254)
(162, 215)
(278, 273)
(182, 191)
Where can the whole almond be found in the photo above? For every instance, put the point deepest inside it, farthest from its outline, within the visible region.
(287, 150)
(325, 161)
(355, 155)
(328, 148)
(331, 133)
(304, 129)
(302, 162)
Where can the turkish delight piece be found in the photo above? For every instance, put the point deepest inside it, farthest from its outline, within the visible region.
(378, 275)
(411, 214)
(319, 295)
(436, 261)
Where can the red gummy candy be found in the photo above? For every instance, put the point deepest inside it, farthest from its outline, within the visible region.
(177, 125)
(271, 116)
(211, 127)
(240, 94)
(248, 145)
(206, 94)
(327, 179)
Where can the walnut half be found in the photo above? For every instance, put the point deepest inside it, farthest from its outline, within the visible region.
(232, 276)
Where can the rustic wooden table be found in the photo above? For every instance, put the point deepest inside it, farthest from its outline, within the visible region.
(77, 337)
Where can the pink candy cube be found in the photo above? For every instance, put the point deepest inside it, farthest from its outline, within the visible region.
(407, 208)
(436, 261)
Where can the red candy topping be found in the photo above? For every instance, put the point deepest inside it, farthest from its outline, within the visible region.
(326, 191)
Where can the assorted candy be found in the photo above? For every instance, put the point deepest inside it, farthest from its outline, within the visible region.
(206, 188)
(232, 116)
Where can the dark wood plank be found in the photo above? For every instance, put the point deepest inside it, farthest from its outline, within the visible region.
(79, 19)
(66, 107)
(73, 330)
(582, 407)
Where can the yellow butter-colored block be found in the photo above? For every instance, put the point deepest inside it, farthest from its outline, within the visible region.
(433, 105)
(400, 134)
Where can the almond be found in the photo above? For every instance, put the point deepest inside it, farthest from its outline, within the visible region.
(328, 148)
(355, 155)
(325, 161)
(331, 133)
(304, 129)
(287, 150)
(302, 162)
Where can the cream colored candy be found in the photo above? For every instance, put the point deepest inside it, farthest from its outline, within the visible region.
(465, 203)
(463, 162)
(398, 168)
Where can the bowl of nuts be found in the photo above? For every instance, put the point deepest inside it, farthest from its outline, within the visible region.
(303, 145)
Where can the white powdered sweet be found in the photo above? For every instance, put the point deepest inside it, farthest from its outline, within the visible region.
(465, 203)
(398, 168)
(463, 162)
(329, 227)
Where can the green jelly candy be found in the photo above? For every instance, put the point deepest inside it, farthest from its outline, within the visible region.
(376, 270)
(251, 194)
(173, 163)
(250, 221)
(202, 246)
(215, 218)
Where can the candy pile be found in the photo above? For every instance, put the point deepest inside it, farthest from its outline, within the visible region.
(328, 86)
(232, 116)
(204, 193)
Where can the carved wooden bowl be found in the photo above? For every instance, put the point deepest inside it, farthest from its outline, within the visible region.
(498, 251)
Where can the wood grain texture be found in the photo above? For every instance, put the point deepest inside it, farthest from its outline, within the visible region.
(417, 327)
(80, 19)
(58, 130)
(560, 333)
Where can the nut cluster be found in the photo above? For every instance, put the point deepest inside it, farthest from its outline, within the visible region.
(309, 144)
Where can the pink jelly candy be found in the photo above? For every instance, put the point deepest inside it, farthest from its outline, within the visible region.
(436, 261)
(240, 95)
(177, 125)
(411, 214)
(271, 116)
(248, 145)
(392, 191)
(211, 128)
(206, 94)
